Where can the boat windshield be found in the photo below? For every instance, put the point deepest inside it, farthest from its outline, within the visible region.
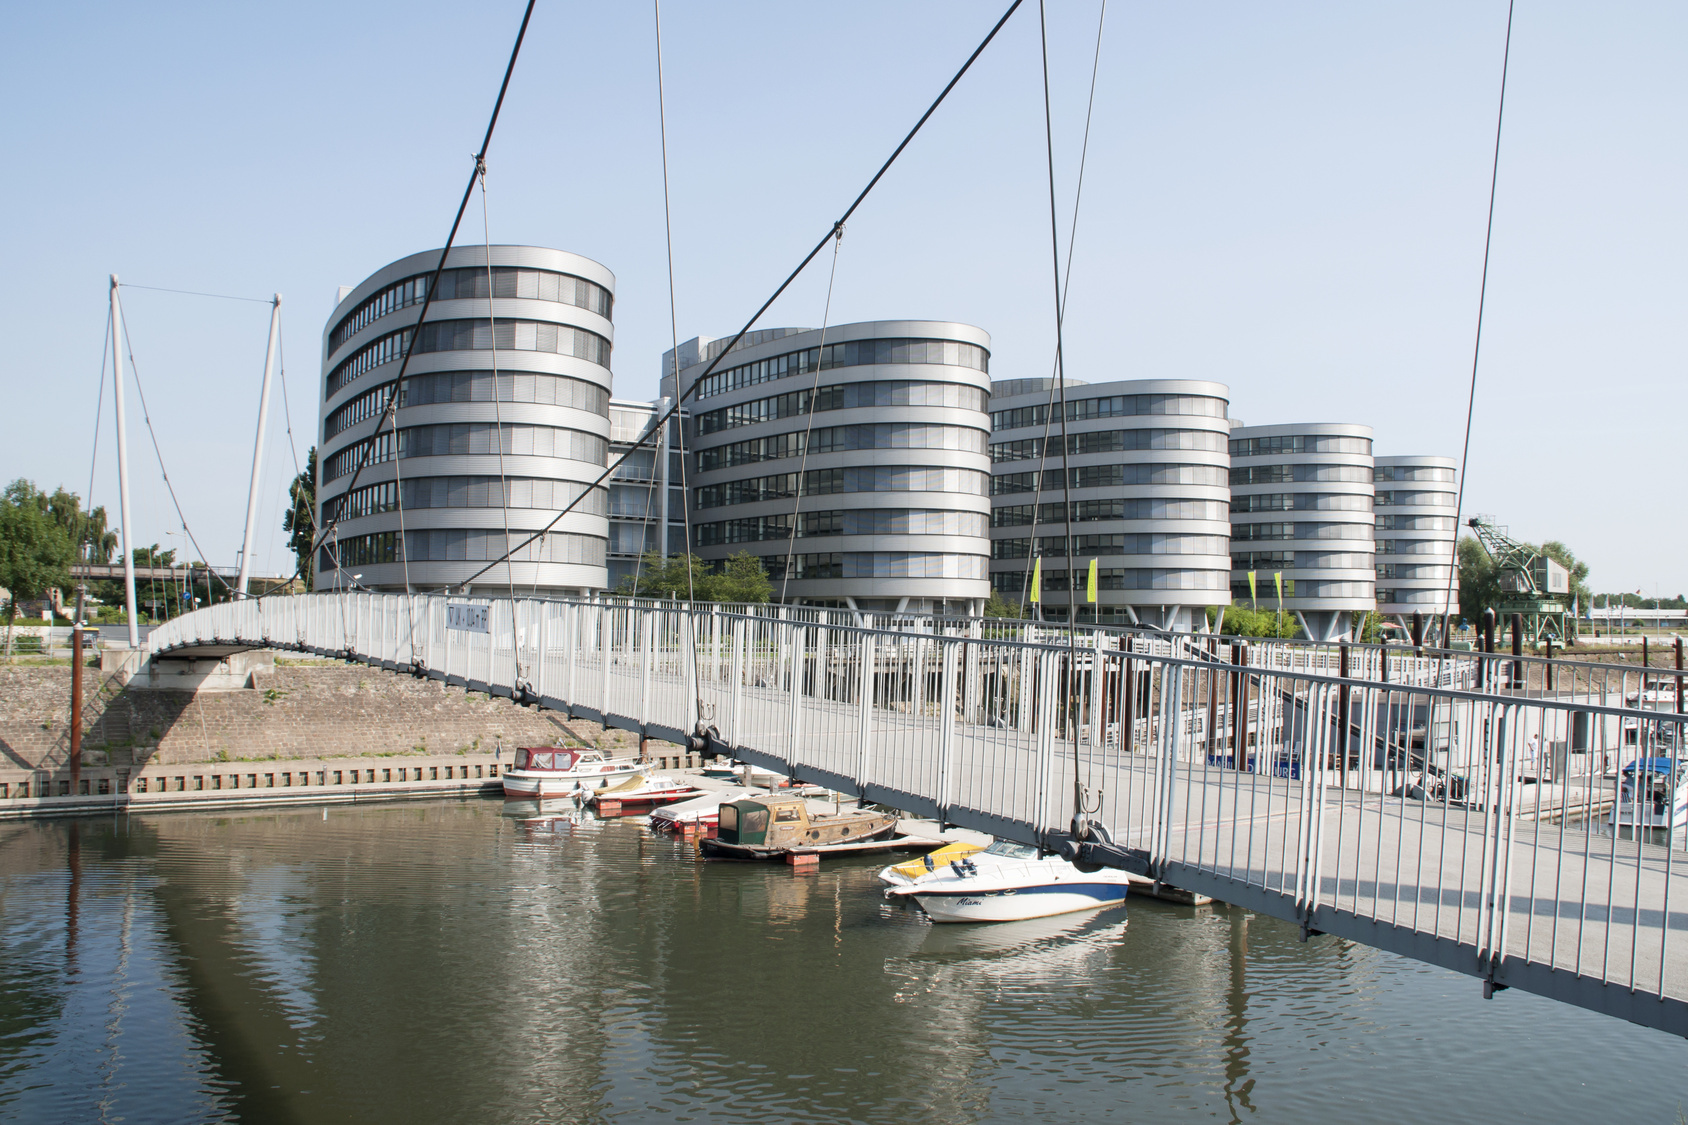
(1010, 850)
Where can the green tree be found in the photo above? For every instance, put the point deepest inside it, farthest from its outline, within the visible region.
(299, 521)
(998, 607)
(741, 577)
(1241, 621)
(35, 551)
(1479, 581)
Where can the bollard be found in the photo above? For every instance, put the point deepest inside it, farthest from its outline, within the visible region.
(1518, 683)
(1484, 669)
(1549, 665)
(1418, 633)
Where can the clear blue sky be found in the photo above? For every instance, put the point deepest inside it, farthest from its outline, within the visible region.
(1286, 197)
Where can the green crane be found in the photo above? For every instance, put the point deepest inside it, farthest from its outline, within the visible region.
(1531, 584)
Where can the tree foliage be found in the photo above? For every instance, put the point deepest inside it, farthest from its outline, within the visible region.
(35, 549)
(1000, 607)
(1479, 578)
(1241, 621)
(299, 521)
(739, 578)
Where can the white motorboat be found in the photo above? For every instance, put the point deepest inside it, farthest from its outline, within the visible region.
(1652, 793)
(559, 771)
(1008, 882)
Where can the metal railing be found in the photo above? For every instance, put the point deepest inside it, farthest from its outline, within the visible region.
(1469, 815)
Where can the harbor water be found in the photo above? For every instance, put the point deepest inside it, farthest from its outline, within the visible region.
(471, 961)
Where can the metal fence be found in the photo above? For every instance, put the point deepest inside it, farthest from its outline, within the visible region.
(1512, 818)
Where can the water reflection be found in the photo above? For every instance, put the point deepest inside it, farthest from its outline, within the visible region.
(485, 962)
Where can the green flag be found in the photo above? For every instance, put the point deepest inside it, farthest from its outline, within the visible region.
(1091, 588)
(1253, 594)
(1037, 581)
(1278, 577)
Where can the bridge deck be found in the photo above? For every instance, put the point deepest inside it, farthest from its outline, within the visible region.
(993, 735)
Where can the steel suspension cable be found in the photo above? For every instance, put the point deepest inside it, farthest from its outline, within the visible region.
(1066, 288)
(1070, 703)
(329, 524)
(809, 428)
(1477, 343)
(681, 396)
(158, 452)
(497, 408)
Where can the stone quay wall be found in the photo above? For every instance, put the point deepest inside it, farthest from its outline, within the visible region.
(317, 710)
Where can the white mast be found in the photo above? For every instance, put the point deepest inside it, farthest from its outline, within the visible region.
(258, 450)
(122, 463)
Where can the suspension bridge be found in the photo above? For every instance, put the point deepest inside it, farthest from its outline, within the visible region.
(1393, 798)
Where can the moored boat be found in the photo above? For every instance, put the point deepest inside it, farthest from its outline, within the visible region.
(558, 771)
(1009, 882)
(929, 865)
(643, 792)
(701, 811)
(1652, 793)
(770, 827)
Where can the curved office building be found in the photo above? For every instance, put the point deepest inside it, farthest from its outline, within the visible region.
(1301, 506)
(862, 460)
(1148, 496)
(467, 462)
(1417, 524)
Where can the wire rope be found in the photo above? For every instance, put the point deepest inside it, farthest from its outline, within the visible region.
(497, 399)
(158, 452)
(1070, 702)
(1066, 288)
(809, 427)
(99, 407)
(682, 396)
(1477, 343)
(673, 335)
(193, 293)
(391, 409)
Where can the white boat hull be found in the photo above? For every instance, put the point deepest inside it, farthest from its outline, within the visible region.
(1018, 903)
(545, 783)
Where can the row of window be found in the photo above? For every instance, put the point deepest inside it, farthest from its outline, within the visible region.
(641, 464)
(1117, 508)
(878, 564)
(1113, 578)
(1110, 406)
(470, 283)
(839, 439)
(1119, 543)
(473, 386)
(1302, 502)
(1414, 472)
(641, 501)
(1285, 474)
(856, 521)
(851, 353)
(1268, 532)
(1416, 499)
(1301, 560)
(1107, 476)
(1419, 571)
(855, 478)
(1415, 597)
(474, 334)
(845, 396)
(471, 492)
(1415, 547)
(458, 439)
(1300, 443)
(1416, 523)
(1107, 441)
(1303, 588)
(459, 545)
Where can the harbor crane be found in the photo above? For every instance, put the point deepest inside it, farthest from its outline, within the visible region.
(1532, 585)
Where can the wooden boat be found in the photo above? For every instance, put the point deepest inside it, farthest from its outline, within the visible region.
(770, 827)
(640, 791)
(558, 771)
